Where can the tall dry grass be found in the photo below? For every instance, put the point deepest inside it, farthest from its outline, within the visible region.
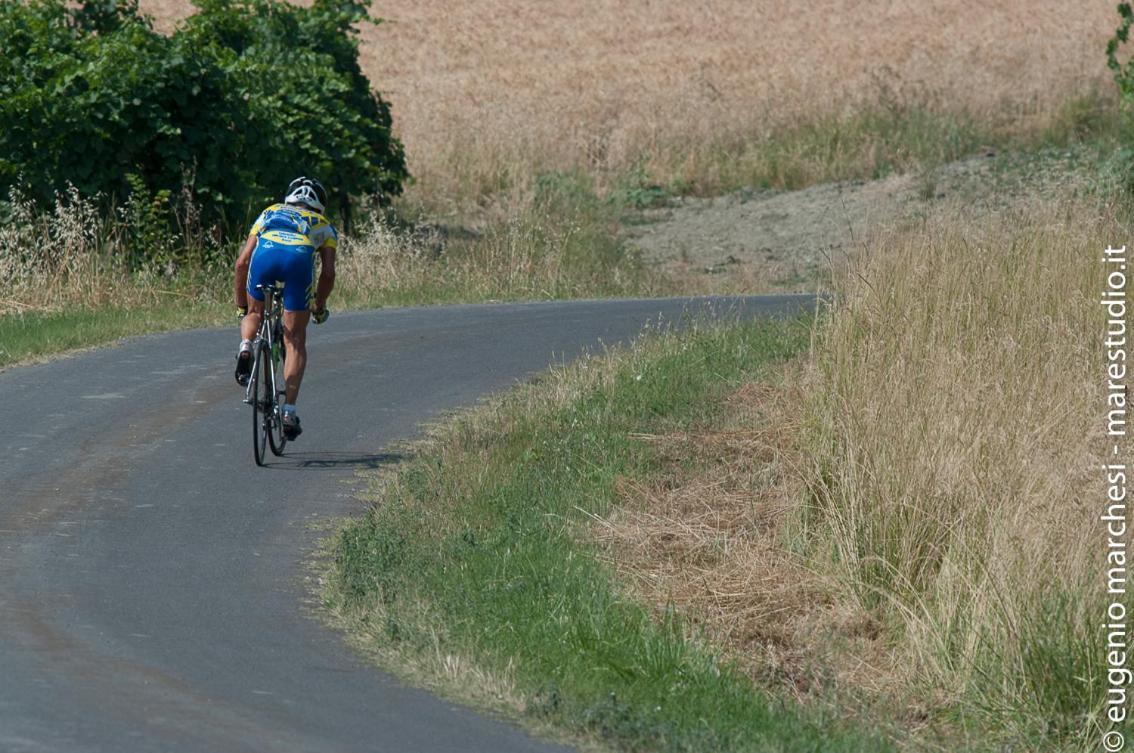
(77, 254)
(955, 418)
(546, 250)
(40, 252)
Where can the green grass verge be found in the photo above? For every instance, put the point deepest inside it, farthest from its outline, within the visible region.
(473, 567)
(26, 337)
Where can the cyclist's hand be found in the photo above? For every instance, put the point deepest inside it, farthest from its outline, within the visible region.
(321, 315)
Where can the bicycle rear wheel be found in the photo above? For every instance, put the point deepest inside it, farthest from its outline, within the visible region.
(276, 438)
(263, 394)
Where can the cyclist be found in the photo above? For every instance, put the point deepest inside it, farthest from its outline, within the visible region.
(282, 246)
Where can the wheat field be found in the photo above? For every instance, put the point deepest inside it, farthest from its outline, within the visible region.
(486, 93)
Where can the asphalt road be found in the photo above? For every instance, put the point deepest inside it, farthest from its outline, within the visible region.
(152, 579)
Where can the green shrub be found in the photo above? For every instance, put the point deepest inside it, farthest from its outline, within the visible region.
(242, 97)
(1123, 158)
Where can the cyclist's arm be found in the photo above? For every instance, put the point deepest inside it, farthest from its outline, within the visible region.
(243, 261)
(326, 276)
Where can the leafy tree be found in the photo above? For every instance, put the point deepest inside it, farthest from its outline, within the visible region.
(1123, 74)
(1124, 78)
(242, 97)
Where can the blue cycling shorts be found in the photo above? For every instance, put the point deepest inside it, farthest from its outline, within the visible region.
(294, 266)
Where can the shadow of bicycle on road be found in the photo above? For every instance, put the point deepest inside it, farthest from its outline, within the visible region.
(306, 461)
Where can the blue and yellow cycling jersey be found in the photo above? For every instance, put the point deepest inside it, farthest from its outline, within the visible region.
(295, 226)
(286, 240)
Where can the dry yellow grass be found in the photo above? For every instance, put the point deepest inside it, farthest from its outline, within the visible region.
(486, 93)
(912, 519)
(76, 256)
(957, 412)
(714, 542)
(71, 277)
(711, 542)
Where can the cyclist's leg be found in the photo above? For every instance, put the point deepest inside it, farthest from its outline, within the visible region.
(258, 273)
(248, 326)
(251, 322)
(261, 270)
(295, 336)
(297, 315)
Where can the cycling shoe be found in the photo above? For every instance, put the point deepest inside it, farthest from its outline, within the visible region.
(243, 367)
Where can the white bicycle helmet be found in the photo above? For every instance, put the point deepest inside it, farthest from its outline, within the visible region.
(306, 191)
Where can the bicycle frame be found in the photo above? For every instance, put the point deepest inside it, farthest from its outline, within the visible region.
(267, 404)
(273, 313)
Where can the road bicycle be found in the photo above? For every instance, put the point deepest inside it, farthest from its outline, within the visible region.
(265, 390)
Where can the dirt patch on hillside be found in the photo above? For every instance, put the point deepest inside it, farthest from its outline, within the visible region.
(792, 237)
(794, 240)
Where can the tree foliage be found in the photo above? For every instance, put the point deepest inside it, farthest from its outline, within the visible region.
(241, 98)
(1123, 72)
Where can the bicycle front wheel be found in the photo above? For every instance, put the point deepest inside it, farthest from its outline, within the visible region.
(263, 398)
